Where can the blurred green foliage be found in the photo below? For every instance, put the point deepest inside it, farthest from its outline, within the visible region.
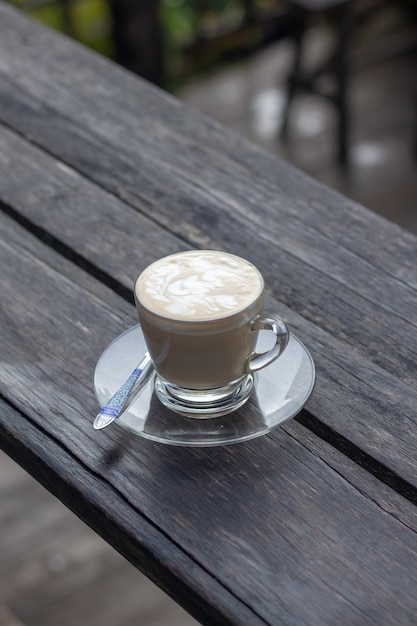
(182, 21)
(89, 21)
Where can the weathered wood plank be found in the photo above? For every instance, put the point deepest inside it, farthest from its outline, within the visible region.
(184, 171)
(54, 569)
(87, 222)
(193, 170)
(123, 130)
(284, 528)
(190, 518)
(122, 526)
(377, 357)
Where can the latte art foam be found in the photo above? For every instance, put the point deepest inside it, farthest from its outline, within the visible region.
(199, 285)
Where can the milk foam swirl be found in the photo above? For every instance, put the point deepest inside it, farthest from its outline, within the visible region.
(199, 285)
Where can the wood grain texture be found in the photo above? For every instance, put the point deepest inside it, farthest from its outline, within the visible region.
(112, 112)
(345, 279)
(56, 570)
(99, 175)
(186, 517)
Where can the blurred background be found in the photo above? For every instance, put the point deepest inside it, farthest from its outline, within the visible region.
(329, 86)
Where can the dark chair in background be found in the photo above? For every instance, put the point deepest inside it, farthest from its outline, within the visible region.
(338, 13)
(138, 44)
(346, 18)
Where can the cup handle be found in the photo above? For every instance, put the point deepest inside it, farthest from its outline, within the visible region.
(278, 327)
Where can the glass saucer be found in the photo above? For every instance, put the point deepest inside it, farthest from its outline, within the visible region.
(279, 393)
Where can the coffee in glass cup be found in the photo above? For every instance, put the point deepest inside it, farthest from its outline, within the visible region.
(200, 313)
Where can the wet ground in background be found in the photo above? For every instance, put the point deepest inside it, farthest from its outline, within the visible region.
(382, 176)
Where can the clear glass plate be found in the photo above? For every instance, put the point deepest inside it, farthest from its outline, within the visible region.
(280, 391)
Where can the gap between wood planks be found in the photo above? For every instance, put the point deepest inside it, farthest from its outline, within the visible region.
(380, 471)
(18, 454)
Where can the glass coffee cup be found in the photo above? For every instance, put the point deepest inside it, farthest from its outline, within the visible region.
(200, 313)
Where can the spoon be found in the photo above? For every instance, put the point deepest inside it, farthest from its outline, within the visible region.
(118, 401)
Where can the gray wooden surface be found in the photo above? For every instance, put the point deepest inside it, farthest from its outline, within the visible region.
(100, 173)
(56, 570)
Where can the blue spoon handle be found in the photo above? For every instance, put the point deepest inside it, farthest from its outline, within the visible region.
(117, 402)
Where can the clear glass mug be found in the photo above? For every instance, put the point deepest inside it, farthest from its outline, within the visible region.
(200, 314)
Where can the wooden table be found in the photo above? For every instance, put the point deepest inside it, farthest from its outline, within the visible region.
(100, 174)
